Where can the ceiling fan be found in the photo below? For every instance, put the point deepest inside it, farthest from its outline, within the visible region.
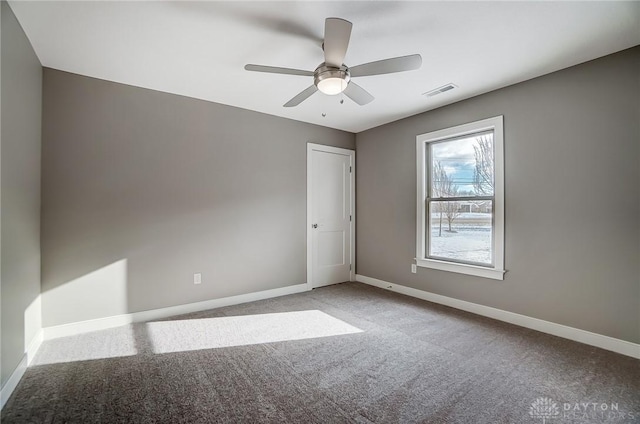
(334, 77)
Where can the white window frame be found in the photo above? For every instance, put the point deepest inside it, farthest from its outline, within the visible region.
(496, 271)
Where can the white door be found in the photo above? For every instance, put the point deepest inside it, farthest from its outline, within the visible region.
(330, 215)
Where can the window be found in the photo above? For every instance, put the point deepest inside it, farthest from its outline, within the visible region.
(460, 220)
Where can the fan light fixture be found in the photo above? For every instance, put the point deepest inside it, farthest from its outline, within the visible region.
(331, 80)
(332, 86)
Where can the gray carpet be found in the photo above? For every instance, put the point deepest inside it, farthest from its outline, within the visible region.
(348, 353)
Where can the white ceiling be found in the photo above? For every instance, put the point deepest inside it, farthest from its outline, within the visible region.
(198, 49)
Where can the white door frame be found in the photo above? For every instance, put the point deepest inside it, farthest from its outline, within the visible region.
(352, 225)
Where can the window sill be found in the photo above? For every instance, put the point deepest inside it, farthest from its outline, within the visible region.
(478, 271)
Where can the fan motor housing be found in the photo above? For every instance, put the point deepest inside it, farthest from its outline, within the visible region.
(325, 71)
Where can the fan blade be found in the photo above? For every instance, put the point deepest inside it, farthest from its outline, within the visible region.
(301, 97)
(337, 33)
(276, 70)
(387, 66)
(358, 94)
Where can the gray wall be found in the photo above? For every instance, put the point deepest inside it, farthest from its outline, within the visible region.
(21, 103)
(141, 189)
(572, 175)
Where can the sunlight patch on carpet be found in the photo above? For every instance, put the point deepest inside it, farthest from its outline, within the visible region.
(111, 343)
(211, 333)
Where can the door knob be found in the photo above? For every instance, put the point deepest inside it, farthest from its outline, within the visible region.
(315, 225)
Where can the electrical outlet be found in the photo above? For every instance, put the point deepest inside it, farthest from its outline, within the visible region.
(414, 268)
(197, 278)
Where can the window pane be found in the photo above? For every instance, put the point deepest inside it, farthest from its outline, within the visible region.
(461, 231)
(462, 167)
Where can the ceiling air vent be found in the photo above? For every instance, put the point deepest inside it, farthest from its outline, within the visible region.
(440, 90)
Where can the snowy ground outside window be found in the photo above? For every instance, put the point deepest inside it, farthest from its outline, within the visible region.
(469, 240)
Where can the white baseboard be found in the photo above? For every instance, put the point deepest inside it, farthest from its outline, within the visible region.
(118, 320)
(17, 374)
(34, 345)
(575, 334)
(12, 382)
